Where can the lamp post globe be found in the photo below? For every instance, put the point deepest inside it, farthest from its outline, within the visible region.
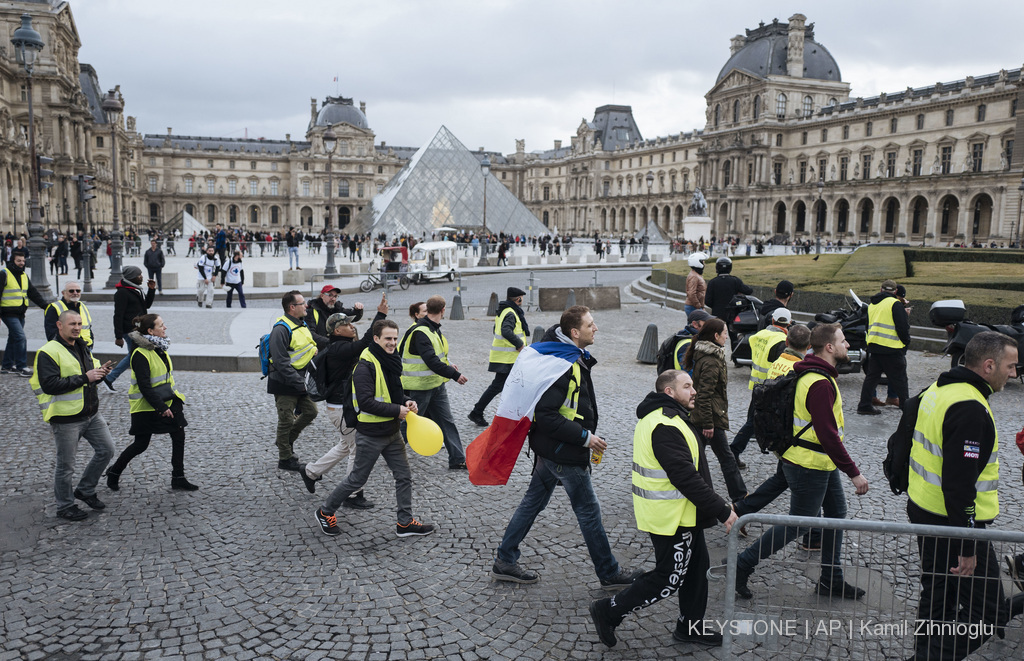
(27, 44)
(485, 169)
(112, 107)
(644, 257)
(330, 141)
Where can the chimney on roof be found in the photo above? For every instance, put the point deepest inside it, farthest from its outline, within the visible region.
(288, 137)
(736, 43)
(795, 49)
(558, 144)
(362, 107)
(383, 144)
(169, 131)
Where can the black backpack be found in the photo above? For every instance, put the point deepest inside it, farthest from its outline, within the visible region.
(896, 464)
(316, 378)
(666, 359)
(773, 403)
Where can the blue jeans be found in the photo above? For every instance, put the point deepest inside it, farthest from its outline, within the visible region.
(293, 251)
(576, 480)
(433, 405)
(125, 362)
(16, 353)
(368, 450)
(688, 309)
(810, 491)
(66, 435)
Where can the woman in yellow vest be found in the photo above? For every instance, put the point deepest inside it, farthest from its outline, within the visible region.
(156, 405)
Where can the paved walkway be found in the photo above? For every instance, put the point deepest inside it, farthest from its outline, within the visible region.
(240, 569)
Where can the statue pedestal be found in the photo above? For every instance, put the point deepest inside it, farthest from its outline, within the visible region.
(696, 228)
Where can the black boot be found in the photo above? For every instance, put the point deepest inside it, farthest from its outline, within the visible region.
(181, 484)
(113, 479)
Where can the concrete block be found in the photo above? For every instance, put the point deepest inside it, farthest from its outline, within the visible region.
(532, 260)
(632, 257)
(657, 257)
(293, 277)
(170, 280)
(466, 262)
(593, 259)
(349, 268)
(517, 260)
(573, 259)
(595, 298)
(265, 278)
(308, 273)
(612, 258)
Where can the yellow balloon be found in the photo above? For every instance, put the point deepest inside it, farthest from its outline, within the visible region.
(424, 435)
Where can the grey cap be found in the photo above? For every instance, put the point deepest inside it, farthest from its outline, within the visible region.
(698, 315)
(131, 272)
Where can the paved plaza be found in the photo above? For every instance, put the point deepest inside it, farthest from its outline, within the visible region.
(241, 570)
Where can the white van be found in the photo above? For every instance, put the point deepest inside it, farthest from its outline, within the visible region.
(432, 260)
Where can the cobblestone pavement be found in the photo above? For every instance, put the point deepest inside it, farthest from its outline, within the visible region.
(240, 569)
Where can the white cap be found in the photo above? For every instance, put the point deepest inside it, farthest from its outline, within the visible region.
(782, 316)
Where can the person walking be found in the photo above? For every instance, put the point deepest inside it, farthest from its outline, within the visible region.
(509, 338)
(206, 275)
(376, 392)
(696, 286)
(154, 261)
(694, 322)
(155, 404)
(235, 278)
(562, 436)
(673, 501)
(129, 303)
(291, 349)
(64, 382)
(220, 244)
(720, 291)
(70, 299)
(811, 467)
(954, 481)
(292, 241)
(706, 357)
(326, 304)
(16, 290)
(425, 370)
(887, 339)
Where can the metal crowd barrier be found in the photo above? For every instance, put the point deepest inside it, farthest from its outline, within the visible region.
(787, 619)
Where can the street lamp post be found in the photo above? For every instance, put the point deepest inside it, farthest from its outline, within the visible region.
(14, 217)
(27, 44)
(819, 221)
(1020, 204)
(644, 257)
(113, 106)
(485, 168)
(330, 140)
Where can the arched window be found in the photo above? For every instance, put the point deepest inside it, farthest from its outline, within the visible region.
(780, 106)
(736, 111)
(808, 106)
(833, 102)
(757, 107)
(718, 114)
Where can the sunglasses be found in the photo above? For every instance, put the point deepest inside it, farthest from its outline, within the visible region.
(74, 291)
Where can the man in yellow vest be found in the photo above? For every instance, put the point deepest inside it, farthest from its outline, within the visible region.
(64, 382)
(887, 339)
(510, 337)
(811, 466)
(381, 405)
(694, 322)
(70, 299)
(16, 290)
(954, 481)
(674, 502)
(766, 346)
(291, 349)
(426, 369)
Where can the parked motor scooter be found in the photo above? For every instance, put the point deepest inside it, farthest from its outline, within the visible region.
(853, 320)
(952, 315)
(743, 319)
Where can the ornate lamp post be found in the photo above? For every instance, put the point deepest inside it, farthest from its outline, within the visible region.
(14, 217)
(330, 140)
(27, 44)
(644, 257)
(819, 220)
(485, 168)
(1020, 204)
(113, 106)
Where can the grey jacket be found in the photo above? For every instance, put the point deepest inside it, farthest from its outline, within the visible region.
(283, 378)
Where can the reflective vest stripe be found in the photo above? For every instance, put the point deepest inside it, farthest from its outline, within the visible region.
(381, 393)
(570, 406)
(800, 454)
(660, 508)
(161, 376)
(503, 351)
(302, 348)
(64, 404)
(657, 495)
(761, 345)
(881, 325)
(649, 472)
(15, 291)
(415, 373)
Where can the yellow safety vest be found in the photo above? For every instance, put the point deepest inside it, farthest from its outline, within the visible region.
(380, 388)
(802, 456)
(881, 326)
(302, 347)
(782, 366)
(925, 484)
(68, 403)
(61, 307)
(503, 351)
(761, 344)
(161, 378)
(15, 291)
(682, 346)
(659, 507)
(415, 373)
(570, 407)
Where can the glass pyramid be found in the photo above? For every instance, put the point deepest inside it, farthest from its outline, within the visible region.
(442, 186)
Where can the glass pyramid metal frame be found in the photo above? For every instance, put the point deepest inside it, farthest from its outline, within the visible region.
(442, 186)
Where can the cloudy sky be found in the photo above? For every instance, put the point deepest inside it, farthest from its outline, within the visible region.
(495, 71)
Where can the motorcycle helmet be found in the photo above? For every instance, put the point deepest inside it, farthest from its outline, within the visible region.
(696, 261)
(1017, 317)
(723, 265)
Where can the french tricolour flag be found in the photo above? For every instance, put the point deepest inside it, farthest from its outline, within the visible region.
(492, 456)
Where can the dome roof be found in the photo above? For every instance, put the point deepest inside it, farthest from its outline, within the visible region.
(338, 110)
(764, 54)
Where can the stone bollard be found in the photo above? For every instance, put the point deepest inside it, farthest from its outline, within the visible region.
(570, 300)
(492, 305)
(648, 353)
(456, 313)
(538, 334)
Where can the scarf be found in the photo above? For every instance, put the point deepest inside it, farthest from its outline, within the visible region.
(131, 285)
(161, 343)
(391, 363)
(562, 337)
(522, 317)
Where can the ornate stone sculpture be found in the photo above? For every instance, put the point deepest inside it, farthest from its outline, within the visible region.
(698, 205)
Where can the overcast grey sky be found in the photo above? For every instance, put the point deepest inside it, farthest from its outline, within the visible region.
(495, 71)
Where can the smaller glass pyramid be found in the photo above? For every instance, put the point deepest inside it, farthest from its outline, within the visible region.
(442, 186)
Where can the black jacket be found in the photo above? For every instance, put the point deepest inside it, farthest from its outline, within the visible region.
(900, 320)
(673, 453)
(555, 437)
(51, 382)
(721, 289)
(766, 311)
(33, 293)
(342, 354)
(154, 260)
(318, 322)
(129, 302)
(508, 327)
(421, 346)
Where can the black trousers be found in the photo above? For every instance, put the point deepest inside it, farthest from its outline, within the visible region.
(895, 367)
(492, 391)
(681, 566)
(142, 442)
